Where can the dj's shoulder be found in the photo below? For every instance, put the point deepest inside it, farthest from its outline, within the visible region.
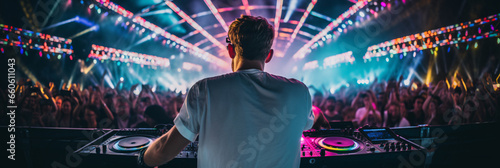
(219, 77)
(291, 81)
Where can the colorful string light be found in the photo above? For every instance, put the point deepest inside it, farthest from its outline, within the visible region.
(436, 37)
(26, 39)
(106, 53)
(277, 18)
(338, 59)
(246, 7)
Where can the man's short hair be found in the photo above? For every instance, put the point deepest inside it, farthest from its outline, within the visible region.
(251, 37)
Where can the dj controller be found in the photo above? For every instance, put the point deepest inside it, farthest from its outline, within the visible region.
(322, 148)
(379, 147)
(120, 148)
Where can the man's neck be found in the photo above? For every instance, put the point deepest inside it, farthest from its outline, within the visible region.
(242, 64)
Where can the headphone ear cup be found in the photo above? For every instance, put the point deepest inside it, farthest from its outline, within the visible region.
(230, 50)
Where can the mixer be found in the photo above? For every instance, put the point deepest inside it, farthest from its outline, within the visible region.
(319, 148)
(351, 148)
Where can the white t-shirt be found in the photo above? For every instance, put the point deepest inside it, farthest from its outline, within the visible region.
(249, 118)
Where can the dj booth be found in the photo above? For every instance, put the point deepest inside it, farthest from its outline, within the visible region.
(470, 145)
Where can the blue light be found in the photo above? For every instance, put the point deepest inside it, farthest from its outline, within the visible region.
(48, 56)
(81, 1)
(84, 21)
(448, 49)
(291, 7)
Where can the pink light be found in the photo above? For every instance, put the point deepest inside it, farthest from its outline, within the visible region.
(194, 24)
(383, 4)
(216, 14)
(277, 18)
(301, 23)
(139, 20)
(353, 9)
(245, 5)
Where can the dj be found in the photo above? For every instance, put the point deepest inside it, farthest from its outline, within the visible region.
(248, 118)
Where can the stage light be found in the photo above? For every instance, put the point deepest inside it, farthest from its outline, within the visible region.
(190, 66)
(300, 24)
(361, 13)
(194, 24)
(277, 18)
(398, 45)
(292, 5)
(387, 59)
(406, 82)
(245, 5)
(195, 51)
(353, 9)
(338, 59)
(217, 15)
(311, 65)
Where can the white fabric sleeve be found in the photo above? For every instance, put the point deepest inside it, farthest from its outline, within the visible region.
(310, 116)
(188, 119)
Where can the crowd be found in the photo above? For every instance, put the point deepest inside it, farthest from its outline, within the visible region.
(93, 106)
(390, 104)
(381, 104)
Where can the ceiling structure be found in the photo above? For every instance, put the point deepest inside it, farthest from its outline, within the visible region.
(203, 25)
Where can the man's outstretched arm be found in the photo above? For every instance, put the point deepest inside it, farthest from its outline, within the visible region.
(165, 148)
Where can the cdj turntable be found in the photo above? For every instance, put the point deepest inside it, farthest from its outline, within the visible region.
(121, 148)
(350, 148)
